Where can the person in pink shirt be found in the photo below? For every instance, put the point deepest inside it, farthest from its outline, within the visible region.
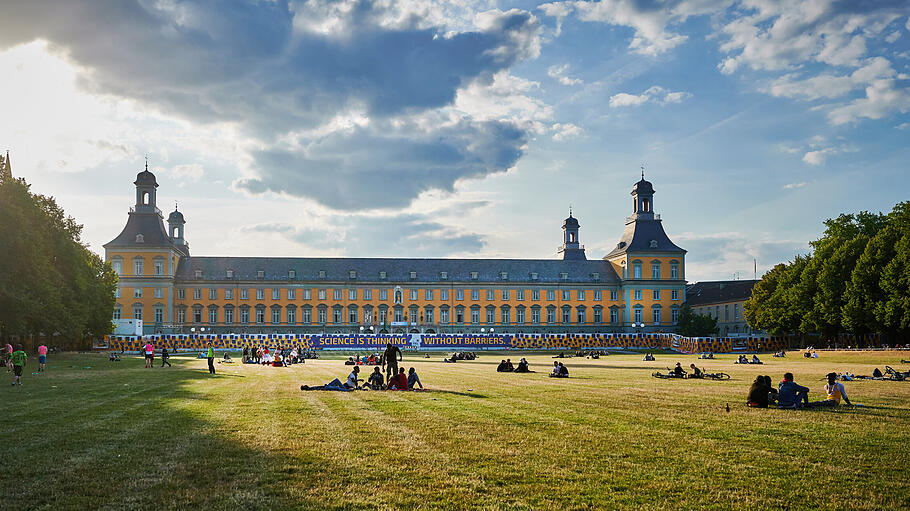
(149, 355)
(42, 357)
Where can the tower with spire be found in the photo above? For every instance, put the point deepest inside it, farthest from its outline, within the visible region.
(571, 249)
(6, 169)
(650, 266)
(145, 257)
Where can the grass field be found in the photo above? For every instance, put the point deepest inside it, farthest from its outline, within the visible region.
(116, 435)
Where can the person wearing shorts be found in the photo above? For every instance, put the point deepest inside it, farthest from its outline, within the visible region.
(391, 360)
(18, 361)
(149, 355)
(42, 357)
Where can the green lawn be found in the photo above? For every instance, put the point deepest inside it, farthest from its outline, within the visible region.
(93, 434)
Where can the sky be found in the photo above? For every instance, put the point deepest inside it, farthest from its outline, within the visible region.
(463, 128)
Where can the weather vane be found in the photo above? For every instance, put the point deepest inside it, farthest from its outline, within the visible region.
(642, 170)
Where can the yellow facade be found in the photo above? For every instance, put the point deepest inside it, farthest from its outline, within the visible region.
(177, 297)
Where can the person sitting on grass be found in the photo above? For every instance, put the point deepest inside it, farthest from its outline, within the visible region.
(353, 382)
(760, 392)
(834, 391)
(227, 358)
(349, 361)
(678, 371)
(505, 367)
(399, 381)
(523, 366)
(648, 358)
(696, 372)
(413, 379)
(877, 373)
(114, 357)
(559, 371)
(376, 381)
(755, 360)
(791, 395)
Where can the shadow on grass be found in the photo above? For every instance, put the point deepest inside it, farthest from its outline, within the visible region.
(126, 437)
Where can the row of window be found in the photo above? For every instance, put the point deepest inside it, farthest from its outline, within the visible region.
(139, 266)
(429, 294)
(398, 315)
(655, 270)
(714, 312)
(412, 275)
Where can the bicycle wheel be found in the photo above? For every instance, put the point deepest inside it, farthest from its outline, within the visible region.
(721, 376)
(659, 375)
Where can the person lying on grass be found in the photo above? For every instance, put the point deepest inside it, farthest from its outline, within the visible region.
(376, 381)
(335, 385)
(399, 381)
(834, 391)
(413, 379)
(791, 395)
(696, 372)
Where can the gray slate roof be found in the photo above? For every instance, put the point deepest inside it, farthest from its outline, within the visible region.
(397, 270)
(150, 225)
(637, 237)
(703, 293)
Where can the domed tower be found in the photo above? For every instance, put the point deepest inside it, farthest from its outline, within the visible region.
(175, 224)
(651, 267)
(571, 249)
(145, 259)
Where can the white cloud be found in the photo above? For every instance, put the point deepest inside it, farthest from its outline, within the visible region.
(893, 36)
(902, 126)
(188, 173)
(655, 94)
(559, 73)
(818, 157)
(883, 97)
(791, 186)
(566, 131)
(831, 86)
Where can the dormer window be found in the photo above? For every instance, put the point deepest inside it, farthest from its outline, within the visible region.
(533, 275)
(260, 274)
(140, 238)
(198, 274)
(292, 274)
(652, 244)
(230, 274)
(413, 275)
(563, 276)
(443, 275)
(595, 276)
(383, 275)
(474, 275)
(321, 274)
(352, 274)
(503, 275)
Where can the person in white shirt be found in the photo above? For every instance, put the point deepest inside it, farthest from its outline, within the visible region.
(352, 379)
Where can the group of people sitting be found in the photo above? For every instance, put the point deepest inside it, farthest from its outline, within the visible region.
(592, 354)
(559, 370)
(793, 396)
(742, 359)
(780, 354)
(279, 357)
(506, 366)
(810, 353)
(462, 355)
(372, 360)
(376, 381)
(706, 356)
(648, 358)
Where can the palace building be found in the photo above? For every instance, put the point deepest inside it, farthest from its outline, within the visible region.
(638, 286)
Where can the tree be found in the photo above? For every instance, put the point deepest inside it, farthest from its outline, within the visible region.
(691, 324)
(50, 282)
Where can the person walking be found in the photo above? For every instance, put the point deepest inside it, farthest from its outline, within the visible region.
(42, 358)
(17, 359)
(149, 354)
(211, 356)
(390, 357)
(164, 356)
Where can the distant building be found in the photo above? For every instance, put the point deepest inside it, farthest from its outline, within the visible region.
(722, 300)
(640, 285)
